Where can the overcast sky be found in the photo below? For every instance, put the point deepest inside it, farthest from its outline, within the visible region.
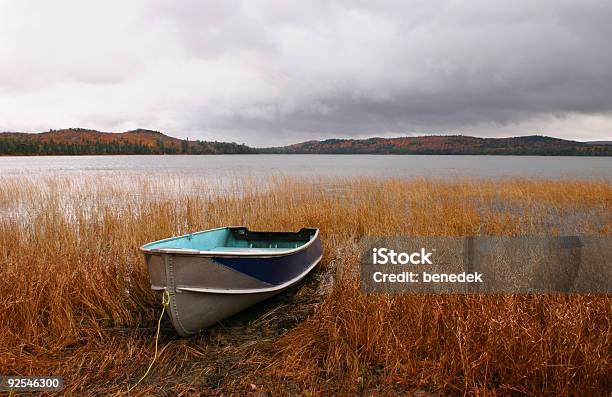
(277, 72)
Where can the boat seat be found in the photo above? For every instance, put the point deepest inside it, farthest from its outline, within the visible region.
(246, 249)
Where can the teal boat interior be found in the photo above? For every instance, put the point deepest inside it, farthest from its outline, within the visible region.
(236, 239)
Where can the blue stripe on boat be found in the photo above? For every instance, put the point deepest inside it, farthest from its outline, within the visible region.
(274, 270)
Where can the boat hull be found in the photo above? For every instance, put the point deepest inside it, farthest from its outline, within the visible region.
(205, 289)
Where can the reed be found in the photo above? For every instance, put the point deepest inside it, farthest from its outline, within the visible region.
(75, 298)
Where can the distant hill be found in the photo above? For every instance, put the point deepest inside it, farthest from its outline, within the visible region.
(599, 142)
(449, 144)
(79, 141)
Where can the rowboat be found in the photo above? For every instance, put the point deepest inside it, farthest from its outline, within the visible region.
(214, 274)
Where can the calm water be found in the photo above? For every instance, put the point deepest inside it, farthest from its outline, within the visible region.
(315, 165)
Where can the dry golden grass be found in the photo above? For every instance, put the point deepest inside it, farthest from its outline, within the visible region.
(75, 298)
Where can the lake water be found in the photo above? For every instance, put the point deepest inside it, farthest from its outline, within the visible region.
(405, 166)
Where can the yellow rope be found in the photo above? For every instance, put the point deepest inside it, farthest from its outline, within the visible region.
(165, 303)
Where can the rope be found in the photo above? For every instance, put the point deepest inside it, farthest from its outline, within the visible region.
(165, 303)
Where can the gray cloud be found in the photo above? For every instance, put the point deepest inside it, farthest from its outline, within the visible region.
(278, 72)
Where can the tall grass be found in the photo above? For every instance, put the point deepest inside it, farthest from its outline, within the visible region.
(75, 298)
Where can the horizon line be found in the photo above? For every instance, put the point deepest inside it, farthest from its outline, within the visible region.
(305, 141)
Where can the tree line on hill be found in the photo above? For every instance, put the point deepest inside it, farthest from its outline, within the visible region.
(449, 145)
(19, 146)
(78, 141)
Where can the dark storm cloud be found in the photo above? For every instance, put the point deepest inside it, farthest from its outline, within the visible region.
(270, 72)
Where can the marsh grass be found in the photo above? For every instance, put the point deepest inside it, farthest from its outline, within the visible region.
(75, 298)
